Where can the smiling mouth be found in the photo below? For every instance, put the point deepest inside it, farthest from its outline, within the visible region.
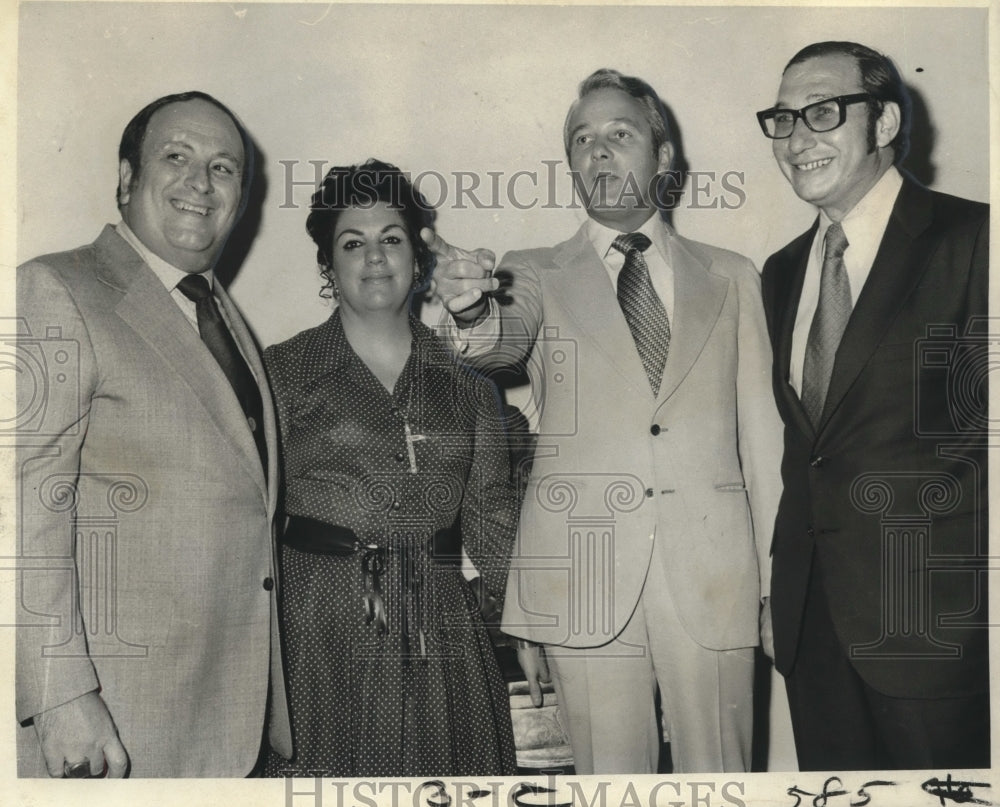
(812, 166)
(187, 207)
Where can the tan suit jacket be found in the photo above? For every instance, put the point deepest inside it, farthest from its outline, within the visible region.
(145, 543)
(693, 472)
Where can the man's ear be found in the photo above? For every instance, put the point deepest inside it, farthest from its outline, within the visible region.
(887, 125)
(666, 157)
(124, 181)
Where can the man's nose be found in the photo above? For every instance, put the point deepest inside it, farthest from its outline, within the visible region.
(601, 149)
(801, 138)
(199, 177)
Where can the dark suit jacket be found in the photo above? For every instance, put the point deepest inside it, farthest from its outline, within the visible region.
(888, 496)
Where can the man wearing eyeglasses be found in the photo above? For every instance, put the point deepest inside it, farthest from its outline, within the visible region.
(877, 321)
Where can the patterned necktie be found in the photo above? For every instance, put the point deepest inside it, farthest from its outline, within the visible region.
(830, 320)
(217, 338)
(643, 309)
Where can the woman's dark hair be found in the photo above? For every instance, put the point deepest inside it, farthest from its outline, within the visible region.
(364, 186)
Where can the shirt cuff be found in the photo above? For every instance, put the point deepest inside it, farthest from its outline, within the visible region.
(478, 339)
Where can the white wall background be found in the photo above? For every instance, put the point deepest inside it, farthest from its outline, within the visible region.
(455, 89)
(447, 89)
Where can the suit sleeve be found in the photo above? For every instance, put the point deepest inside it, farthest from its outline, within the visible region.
(760, 430)
(515, 318)
(53, 666)
(490, 504)
(978, 302)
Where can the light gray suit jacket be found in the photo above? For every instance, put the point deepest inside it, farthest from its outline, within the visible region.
(693, 471)
(145, 543)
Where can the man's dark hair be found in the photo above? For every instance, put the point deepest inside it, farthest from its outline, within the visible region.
(130, 147)
(879, 78)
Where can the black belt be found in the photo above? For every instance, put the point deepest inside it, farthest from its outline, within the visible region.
(444, 547)
(311, 535)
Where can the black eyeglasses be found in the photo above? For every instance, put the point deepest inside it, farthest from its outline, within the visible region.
(823, 116)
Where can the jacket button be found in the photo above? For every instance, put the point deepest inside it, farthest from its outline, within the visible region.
(817, 461)
(810, 532)
(268, 584)
(654, 429)
(400, 456)
(649, 493)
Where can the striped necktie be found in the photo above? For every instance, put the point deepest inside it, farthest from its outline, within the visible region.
(643, 309)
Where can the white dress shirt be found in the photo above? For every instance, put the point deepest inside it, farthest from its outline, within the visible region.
(864, 227)
(169, 275)
(660, 272)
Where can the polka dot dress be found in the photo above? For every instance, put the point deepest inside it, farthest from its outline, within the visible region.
(420, 694)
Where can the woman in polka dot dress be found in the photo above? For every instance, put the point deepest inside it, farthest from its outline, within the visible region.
(394, 459)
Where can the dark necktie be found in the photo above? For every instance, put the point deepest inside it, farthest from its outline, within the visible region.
(829, 321)
(643, 309)
(217, 338)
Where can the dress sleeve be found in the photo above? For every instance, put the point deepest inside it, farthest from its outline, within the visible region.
(277, 363)
(490, 504)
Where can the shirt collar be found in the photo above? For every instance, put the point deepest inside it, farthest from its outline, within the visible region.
(602, 236)
(864, 225)
(168, 274)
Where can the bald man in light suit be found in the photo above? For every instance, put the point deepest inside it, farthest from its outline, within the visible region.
(147, 639)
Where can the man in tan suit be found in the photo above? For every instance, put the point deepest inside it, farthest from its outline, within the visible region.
(147, 632)
(642, 554)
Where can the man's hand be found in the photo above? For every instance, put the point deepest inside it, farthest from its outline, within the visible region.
(766, 629)
(462, 278)
(78, 731)
(531, 657)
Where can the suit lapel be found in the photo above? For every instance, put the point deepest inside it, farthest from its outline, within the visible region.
(248, 346)
(897, 269)
(147, 307)
(790, 268)
(580, 284)
(698, 299)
